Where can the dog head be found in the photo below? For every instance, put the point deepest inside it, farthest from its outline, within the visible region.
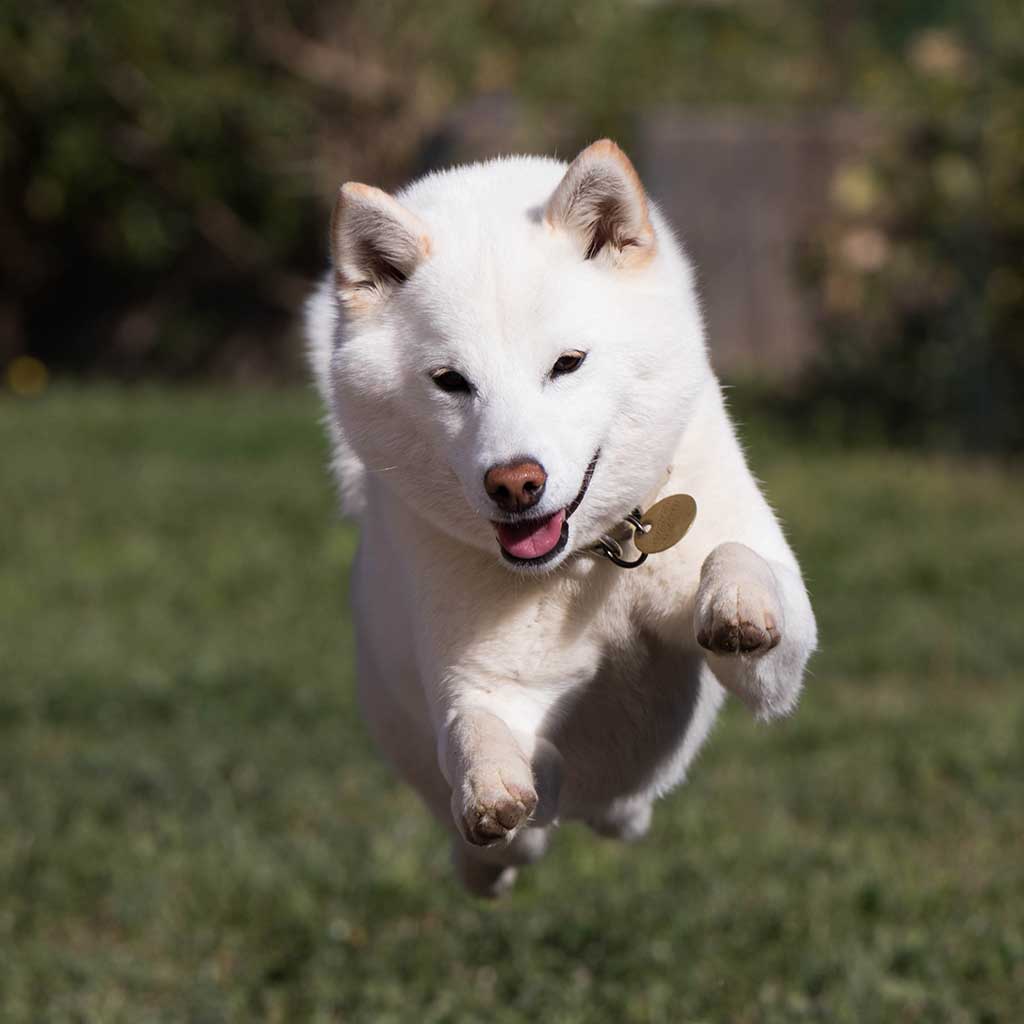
(518, 348)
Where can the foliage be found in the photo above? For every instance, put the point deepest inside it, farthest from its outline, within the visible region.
(165, 169)
(919, 273)
(195, 827)
(140, 205)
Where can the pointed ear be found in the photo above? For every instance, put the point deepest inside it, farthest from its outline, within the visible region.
(376, 243)
(601, 202)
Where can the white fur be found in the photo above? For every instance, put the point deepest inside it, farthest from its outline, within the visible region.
(513, 697)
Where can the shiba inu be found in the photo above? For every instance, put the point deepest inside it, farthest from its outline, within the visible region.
(515, 372)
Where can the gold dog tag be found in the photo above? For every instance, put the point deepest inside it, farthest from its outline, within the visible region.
(668, 519)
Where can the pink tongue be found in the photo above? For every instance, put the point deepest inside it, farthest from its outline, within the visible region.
(533, 539)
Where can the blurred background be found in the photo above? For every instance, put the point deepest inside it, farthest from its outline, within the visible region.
(846, 174)
(193, 825)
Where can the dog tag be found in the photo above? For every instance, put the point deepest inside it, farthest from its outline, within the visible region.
(668, 519)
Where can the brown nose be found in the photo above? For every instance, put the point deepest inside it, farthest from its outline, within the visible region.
(515, 485)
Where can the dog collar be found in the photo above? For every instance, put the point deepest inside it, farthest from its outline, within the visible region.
(661, 527)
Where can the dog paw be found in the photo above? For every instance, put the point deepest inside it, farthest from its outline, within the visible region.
(737, 614)
(735, 625)
(493, 805)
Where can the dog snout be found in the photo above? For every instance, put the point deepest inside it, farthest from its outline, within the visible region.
(515, 486)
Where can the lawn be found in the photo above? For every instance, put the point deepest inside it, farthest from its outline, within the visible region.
(195, 827)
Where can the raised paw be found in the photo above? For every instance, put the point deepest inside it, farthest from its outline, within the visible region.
(737, 626)
(492, 806)
(738, 609)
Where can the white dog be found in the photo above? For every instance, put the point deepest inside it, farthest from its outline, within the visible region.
(513, 361)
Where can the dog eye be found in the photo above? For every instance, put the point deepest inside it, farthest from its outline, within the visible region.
(450, 381)
(568, 363)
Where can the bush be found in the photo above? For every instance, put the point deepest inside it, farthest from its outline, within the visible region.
(143, 212)
(918, 277)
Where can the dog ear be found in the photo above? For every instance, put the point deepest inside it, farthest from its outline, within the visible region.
(376, 243)
(601, 202)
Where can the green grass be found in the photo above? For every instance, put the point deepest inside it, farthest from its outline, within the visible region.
(194, 826)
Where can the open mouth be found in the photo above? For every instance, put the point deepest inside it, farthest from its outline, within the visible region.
(537, 540)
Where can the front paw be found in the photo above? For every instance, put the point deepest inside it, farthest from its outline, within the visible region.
(738, 609)
(493, 803)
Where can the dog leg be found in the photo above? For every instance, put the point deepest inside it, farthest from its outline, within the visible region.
(490, 871)
(754, 619)
(494, 786)
(489, 881)
(628, 820)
